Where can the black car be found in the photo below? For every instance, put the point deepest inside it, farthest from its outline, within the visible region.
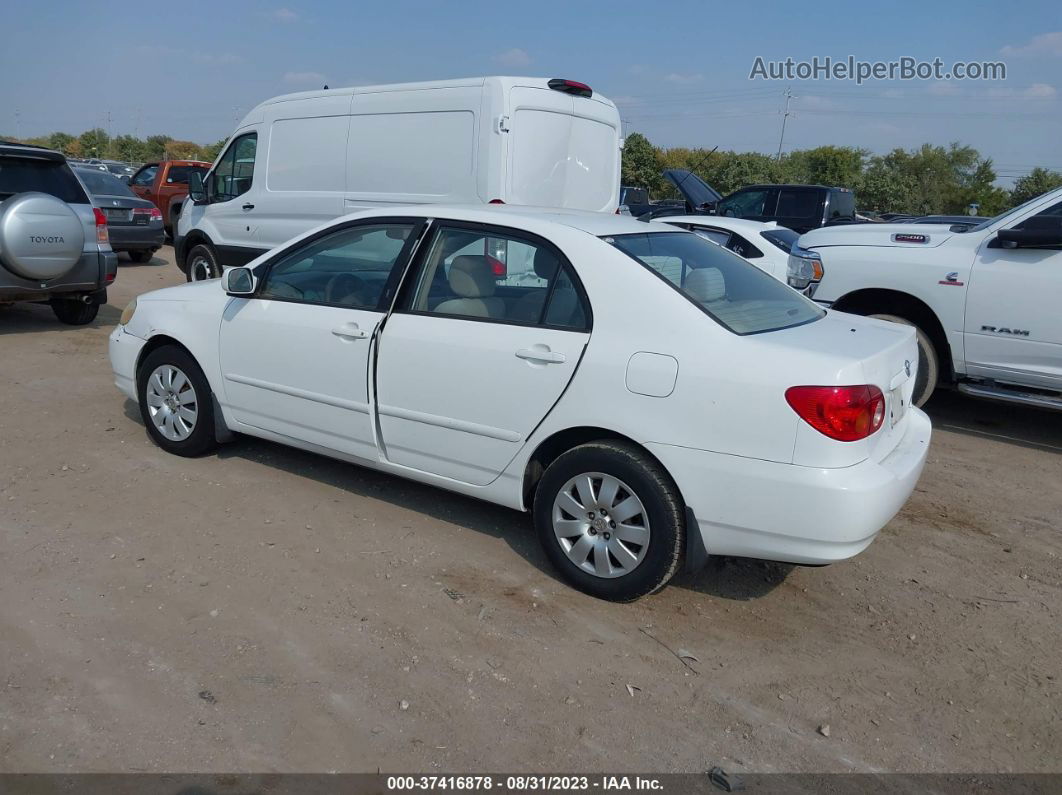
(798, 207)
(134, 224)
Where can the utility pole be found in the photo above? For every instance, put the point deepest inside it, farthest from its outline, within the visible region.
(18, 125)
(785, 115)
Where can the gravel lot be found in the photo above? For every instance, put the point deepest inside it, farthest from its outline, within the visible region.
(265, 609)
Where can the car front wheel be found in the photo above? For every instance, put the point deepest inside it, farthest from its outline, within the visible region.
(928, 361)
(611, 520)
(202, 264)
(176, 402)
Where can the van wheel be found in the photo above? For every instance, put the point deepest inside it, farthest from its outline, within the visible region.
(611, 520)
(202, 264)
(74, 313)
(176, 403)
(928, 361)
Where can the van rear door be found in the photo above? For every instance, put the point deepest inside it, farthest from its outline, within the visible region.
(563, 150)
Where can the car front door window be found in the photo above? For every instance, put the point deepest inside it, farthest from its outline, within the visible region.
(234, 172)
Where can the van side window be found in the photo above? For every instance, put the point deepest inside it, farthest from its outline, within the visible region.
(235, 170)
(489, 275)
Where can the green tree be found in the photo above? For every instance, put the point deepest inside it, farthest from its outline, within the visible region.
(94, 142)
(211, 151)
(182, 150)
(61, 142)
(640, 163)
(839, 166)
(128, 148)
(155, 147)
(1036, 182)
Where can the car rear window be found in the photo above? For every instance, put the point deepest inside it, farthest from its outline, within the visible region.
(734, 293)
(180, 174)
(101, 183)
(783, 238)
(18, 175)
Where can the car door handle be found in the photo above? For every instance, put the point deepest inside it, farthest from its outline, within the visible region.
(248, 206)
(541, 354)
(350, 331)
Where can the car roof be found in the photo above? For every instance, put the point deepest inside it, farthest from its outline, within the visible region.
(593, 223)
(29, 150)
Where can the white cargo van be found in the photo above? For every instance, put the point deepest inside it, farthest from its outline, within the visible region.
(302, 159)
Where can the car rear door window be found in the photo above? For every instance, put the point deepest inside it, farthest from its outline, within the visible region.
(798, 203)
(350, 268)
(492, 275)
(736, 294)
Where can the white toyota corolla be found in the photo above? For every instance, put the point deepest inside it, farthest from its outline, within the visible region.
(648, 396)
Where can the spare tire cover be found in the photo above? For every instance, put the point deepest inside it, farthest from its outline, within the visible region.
(41, 237)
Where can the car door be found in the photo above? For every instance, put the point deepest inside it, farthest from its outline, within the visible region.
(1013, 325)
(489, 330)
(142, 180)
(229, 209)
(296, 356)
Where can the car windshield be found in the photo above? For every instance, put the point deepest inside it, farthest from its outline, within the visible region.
(1014, 211)
(101, 183)
(734, 293)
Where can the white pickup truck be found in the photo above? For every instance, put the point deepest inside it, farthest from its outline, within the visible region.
(987, 302)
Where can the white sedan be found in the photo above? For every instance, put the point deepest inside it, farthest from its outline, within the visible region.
(765, 245)
(648, 396)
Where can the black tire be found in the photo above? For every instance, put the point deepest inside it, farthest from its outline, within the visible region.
(201, 438)
(928, 360)
(141, 256)
(201, 263)
(663, 508)
(74, 313)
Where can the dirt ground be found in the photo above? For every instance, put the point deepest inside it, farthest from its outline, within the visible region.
(265, 609)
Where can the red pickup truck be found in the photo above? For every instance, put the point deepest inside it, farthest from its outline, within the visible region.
(166, 184)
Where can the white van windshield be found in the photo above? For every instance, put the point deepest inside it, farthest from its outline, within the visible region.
(737, 295)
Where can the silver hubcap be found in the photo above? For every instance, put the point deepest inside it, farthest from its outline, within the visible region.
(201, 269)
(172, 402)
(601, 525)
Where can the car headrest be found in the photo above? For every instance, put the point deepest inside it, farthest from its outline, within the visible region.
(471, 276)
(705, 285)
(545, 264)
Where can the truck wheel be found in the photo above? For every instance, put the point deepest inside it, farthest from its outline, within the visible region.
(175, 402)
(74, 313)
(202, 264)
(611, 520)
(928, 361)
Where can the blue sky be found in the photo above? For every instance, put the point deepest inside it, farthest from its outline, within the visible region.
(678, 70)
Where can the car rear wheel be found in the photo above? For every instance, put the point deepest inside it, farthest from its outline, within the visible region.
(928, 361)
(611, 520)
(202, 264)
(141, 256)
(176, 402)
(74, 313)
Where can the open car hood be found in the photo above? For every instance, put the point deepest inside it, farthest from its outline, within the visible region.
(692, 188)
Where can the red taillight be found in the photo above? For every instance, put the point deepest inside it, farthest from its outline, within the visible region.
(101, 226)
(845, 413)
(495, 201)
(153, 213)
(571, 87)
(497, 267)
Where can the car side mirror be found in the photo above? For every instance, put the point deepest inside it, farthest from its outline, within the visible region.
(196, 189)
(706, 208)
(239, 282)
(1029, 238)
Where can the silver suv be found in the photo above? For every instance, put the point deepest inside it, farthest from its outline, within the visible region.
(53, 240)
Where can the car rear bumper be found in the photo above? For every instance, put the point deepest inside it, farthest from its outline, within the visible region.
(90, 275)
(136, 237)
(761, 509)
(124, 351)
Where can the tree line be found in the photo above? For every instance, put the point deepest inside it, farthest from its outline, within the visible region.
(127, 148)
(923, 181)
